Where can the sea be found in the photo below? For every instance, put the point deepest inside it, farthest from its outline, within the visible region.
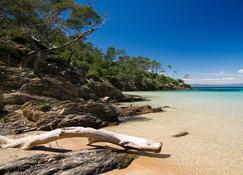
(213, 116)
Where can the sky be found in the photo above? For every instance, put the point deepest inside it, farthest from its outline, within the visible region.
(202, 38)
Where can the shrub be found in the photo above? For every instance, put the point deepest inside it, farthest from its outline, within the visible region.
(44, 107)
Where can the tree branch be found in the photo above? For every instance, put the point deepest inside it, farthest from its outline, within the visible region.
(125, 141)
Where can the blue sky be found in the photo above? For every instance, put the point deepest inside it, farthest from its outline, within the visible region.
(203, 38)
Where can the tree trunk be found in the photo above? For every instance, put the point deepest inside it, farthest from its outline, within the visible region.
(36, 63)
(125, 141)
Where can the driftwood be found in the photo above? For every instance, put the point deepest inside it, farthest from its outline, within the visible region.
(125, 141)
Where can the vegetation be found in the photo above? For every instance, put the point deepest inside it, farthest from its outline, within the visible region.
(59, 27)
(44, 107)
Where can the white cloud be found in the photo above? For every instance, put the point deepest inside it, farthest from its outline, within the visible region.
(211, 79)
(216, 78)
(240, 71)
(228, 78)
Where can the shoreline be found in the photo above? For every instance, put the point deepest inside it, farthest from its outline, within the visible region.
(146, 163)
(206, 150)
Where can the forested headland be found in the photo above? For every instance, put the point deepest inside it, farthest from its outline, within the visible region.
(35, 31)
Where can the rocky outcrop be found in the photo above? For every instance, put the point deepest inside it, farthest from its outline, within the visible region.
(16, 124)
(67, 114)
(56, 82)
(18, 98)
(130, 98)
(13, 78)
(136, 110)
(47, 114)
(85, 162)
(52, 87)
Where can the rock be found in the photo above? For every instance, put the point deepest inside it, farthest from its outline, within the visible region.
(85, 162)
(136, 110)
(73, 120)
(13, 78)
(50, 121)
(103, 88)
(52, 87)
(67, 114)
(29, 116)
(18, 98)
(180, 134)
(130, 98)
(104, 111)
(159, 109)
(63, 83)
(16, 124)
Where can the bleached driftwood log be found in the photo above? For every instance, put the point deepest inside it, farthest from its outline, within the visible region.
(125, 141)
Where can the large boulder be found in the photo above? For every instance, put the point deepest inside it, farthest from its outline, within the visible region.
(50, 121)
(103, 88)
(68, 114)
(52, 87)
(18, 98)
(137, 110)
(85, 162)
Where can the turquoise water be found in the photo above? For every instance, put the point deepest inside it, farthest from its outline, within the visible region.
(212, 116)
(218, 101)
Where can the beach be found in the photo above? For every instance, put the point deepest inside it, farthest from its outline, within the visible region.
(212, 147)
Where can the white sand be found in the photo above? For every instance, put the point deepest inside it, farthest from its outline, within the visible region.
(213, 147)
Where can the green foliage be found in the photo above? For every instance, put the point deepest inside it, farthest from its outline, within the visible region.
(123, 71)
(44, 107)
(49, 21)
(55, 22)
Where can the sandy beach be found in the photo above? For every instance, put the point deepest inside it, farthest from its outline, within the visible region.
(147, 163)
(206, 150)
(212, 147)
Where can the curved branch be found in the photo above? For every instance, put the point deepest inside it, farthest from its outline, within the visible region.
(125, 141)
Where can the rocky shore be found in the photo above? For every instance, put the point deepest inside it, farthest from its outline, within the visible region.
(60, 97)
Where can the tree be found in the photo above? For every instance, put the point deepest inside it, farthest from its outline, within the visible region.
(186, 76)
(54, 23)
(169, 69)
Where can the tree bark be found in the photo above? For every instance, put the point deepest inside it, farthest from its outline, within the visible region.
(125, 141)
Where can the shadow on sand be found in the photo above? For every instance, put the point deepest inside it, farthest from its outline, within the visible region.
(133, 119)
(136, 152)
(50, 149)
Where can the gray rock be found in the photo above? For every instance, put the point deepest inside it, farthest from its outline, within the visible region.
(136, 110)
(69, 114)
(85, 162)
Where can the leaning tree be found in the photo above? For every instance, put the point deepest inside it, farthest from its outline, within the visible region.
(56, 24)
